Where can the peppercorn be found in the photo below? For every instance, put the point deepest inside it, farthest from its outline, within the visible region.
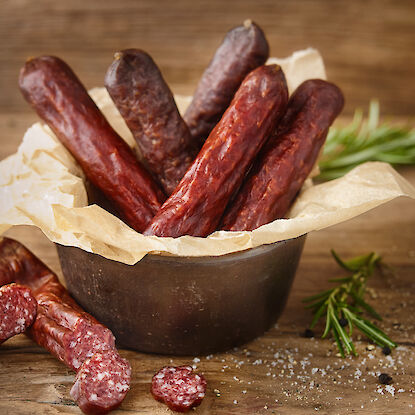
(308, 333)
(386, 351)
(385, 379)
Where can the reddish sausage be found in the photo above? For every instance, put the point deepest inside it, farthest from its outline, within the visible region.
(197, 204)
(60, 99)
(287, 159)
(243, 49)
(18, 309)
(102, 383)
(178, 387)
(147, 105)
(61, 326)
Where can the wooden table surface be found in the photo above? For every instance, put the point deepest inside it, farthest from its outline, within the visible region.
(369, 51)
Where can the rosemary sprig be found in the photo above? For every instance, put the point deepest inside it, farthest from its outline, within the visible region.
(366, 140)
(344, 305)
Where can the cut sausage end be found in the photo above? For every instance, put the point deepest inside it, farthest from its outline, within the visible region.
(102, 383)
(178, 387)
(18, 309)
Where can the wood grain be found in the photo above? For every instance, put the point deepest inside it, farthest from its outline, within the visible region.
(279, 373)
(368, 45)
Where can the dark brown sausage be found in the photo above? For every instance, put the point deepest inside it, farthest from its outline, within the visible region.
(60, 99)
(61, 326)
(197, 204)
(18, 309)
(178, 387)
(147, 105)
(287, 159)
(243, 49)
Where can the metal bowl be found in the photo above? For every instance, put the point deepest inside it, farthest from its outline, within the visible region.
(185, 305)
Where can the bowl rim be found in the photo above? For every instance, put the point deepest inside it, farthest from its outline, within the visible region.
(214, 259)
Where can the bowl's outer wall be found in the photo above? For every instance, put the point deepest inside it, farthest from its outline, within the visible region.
(186, 305)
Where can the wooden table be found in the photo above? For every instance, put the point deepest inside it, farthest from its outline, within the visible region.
(281, 372)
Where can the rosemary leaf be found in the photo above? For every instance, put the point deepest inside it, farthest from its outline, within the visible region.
(346, 301)
(366, 140)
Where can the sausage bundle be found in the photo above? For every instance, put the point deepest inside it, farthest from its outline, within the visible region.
(69, 333)
(147, 105)
(196, 206)
(60, 99)
(238, 105)
(287, 159)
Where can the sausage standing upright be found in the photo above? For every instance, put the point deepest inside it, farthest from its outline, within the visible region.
(147, 105)
(287, 158)
(243, 49)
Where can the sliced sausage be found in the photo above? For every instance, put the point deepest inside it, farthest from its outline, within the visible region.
(18, 309)
(178, 387)
(102, 383)
(64, 329)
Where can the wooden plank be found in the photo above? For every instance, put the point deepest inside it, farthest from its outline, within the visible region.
(280, 372)
(368, 46)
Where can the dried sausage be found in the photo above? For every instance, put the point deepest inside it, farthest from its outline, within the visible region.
(102, 383)
(18, 309)
(61, 326)
(178, 387)
(287, 159)
(243, 49)
(60, 99)
(197, 204)
(147, 105)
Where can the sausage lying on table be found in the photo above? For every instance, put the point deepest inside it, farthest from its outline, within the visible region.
(68, 332)
(196, 206)
(18, 309)
(243, 49)
(60, 99)
(287, 159)
(147, 105)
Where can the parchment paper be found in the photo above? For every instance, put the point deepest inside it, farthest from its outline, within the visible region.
(42, 185)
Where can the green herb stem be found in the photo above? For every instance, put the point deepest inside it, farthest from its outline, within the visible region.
(346, 301)
(366, 140)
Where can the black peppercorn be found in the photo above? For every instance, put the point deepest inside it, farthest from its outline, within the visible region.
(386, 351)
(385, 379)
(308, 333)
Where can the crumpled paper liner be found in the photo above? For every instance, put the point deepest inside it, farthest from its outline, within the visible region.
(42, 185)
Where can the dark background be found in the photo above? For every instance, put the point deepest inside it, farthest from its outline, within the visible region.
(368, 46)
